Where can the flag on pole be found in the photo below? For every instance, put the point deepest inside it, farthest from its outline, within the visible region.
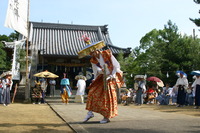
(17, 16)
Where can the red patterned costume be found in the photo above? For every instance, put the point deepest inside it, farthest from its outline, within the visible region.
(101, 100)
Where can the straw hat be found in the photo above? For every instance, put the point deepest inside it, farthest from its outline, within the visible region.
(80, 77)
(83, 77)
(139, 77)
(6, 74)
(77, 77)
(90, 47)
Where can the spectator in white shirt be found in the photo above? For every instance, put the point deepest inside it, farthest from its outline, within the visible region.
(182, 85)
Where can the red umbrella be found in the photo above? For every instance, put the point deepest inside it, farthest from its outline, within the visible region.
(155, 79)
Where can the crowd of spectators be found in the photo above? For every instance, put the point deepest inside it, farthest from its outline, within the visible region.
(181, 94)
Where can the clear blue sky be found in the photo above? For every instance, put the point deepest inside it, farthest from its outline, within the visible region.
(128, 20)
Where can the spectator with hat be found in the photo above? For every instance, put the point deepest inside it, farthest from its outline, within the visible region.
(7, 86)
(140, 88)
(81, 85)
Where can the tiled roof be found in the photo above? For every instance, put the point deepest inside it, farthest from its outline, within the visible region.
(66, 39)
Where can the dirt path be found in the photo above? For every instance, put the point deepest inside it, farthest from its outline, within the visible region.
(30, 118)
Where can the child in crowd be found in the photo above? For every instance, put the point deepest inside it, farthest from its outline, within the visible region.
(123, 97)
(64, 96)
(36, 96)
(189, 95)
(174, 95)
(127, 97)
(151, 94)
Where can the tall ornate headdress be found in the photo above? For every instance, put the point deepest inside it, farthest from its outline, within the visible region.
(90, 47)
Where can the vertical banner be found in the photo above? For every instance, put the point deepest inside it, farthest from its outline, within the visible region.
(15, 64)
(17, 16)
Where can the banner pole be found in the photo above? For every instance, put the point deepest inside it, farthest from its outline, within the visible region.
(27, 87)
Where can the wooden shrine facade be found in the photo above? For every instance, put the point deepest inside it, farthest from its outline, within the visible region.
(54, 47)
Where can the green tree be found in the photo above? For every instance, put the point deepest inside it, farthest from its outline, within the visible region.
(5, 60)
(197, 1)
(2, 57)
(21, 58)
(128, 66)
(165, 51)
(120, 59)
(14, 36)
(196, 20)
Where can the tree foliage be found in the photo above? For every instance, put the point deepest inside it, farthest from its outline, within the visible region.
(5, 61)
(197, 1)
(2, 57)
(164, 51)
(196, 20)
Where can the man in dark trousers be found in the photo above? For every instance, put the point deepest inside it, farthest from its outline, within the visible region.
(182, 85)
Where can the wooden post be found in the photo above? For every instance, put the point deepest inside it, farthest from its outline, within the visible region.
(14, 94)
(27, 86)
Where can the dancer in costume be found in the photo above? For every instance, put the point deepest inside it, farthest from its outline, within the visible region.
(65, 90)
(102, 96)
